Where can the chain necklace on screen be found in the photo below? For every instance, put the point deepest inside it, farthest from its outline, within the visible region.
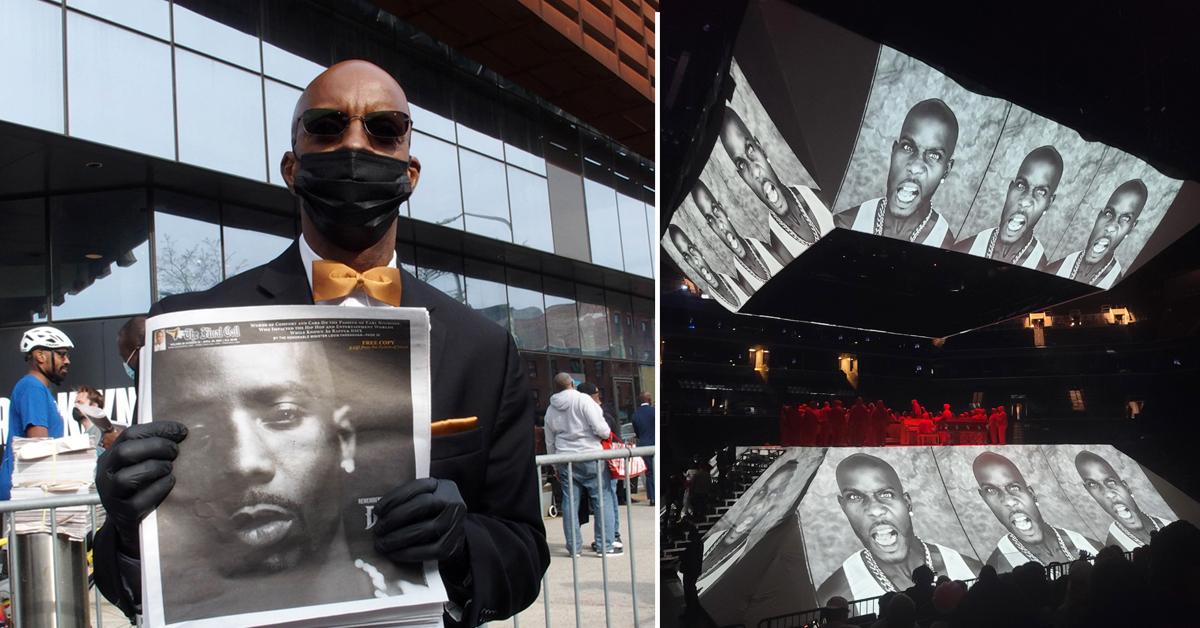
(1028, 554)
(880, 577)
(881, 211)
(816, 233)
(1100, 273)
(1133, 536)
(1016, 258)
(377, 579)
(752, 254)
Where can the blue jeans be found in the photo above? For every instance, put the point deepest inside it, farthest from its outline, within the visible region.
(611, 498)
(584, 477)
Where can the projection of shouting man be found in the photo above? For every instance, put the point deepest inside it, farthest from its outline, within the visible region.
(1030, 195)
(794, 226)
(1030, 538)
(1131, 527)
(744, 250)
(1096, 264)
(880, 513)
(764, 506)
(921, 158)
(714, 283)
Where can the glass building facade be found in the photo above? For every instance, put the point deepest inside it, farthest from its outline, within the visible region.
(140, 145)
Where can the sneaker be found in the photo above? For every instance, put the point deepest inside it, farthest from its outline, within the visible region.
(618, 545)
(574, 554)
(615, 551)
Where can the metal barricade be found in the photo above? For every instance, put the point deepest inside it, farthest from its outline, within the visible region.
(569, 463)
(48, 579)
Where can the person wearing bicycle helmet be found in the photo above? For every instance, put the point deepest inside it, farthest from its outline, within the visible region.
(33, 412)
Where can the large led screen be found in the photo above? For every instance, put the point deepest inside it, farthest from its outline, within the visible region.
(931, 162)
(855, 522)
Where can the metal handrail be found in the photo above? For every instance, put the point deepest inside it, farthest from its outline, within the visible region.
(599, 454)
(90, 499)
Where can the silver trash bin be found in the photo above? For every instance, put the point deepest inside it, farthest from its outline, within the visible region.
(35, 555)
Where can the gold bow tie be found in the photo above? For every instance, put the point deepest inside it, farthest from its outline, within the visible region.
(333, 280)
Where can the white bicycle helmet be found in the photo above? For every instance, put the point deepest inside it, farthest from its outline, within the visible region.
(47, 337)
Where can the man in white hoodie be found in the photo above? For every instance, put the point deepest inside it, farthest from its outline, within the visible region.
(575, 424)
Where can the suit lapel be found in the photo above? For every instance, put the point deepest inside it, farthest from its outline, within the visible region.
(417, 294)
(284, 278)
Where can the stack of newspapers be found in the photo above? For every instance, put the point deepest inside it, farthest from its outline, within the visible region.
(52, 467)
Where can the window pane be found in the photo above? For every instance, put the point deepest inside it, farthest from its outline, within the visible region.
(523, 137)
(643, 330)
(22, 261)
(289, 68)
(524, 159)
(149, 16)
(604, 232)
(485, 196)
(477, 119)
(220, 116)
(634, 240)
(562, 320)
(431, 123)
(527, 309)
(281, 103)
(475, 140)
(530, 202)
(217, 39)
(31, 46)
(620, 324)
(437, 198)
(187, 243)
(254, 237)
(486, 291)
(120, 87)
(101, 254)
(593, 322)
(442, 271)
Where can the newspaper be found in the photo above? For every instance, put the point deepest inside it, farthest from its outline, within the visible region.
(54, 467)
(299, 418)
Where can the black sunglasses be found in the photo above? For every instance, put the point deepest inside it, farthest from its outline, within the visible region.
(388, 126)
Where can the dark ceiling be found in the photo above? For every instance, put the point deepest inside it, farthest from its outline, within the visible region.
(1122, 74)
(511, 40)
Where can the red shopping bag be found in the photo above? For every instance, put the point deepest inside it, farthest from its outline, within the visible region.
(623, 468)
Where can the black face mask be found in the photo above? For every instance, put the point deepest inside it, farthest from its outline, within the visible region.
(352, 196)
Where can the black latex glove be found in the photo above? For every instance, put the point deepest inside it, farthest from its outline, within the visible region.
(422, 520)
(134, 476)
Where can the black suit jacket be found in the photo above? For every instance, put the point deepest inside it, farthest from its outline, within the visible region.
(475, 371)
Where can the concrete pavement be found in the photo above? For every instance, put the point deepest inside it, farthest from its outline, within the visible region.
(639, 539)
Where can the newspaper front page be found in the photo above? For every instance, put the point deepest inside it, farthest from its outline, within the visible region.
(299, 418)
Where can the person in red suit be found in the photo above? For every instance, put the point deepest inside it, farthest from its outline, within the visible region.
(995, 434)
(1001, 426)
(880, 418)
(824, 426)
(837, 423)
(858, 420)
